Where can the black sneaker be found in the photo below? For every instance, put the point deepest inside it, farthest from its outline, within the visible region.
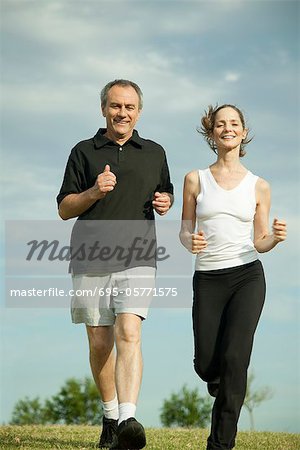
(130, 435)
(109, 429)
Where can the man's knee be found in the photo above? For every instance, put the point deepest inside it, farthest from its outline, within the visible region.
(100, 339)
(128, 329)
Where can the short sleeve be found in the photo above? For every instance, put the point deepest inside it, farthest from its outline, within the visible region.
(165, 182)
(74, 180)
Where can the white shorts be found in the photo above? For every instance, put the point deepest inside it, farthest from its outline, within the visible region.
(98, 299)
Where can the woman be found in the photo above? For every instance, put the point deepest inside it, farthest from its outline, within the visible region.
(221, 206)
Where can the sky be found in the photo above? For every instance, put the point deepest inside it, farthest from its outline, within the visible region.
(55, 58)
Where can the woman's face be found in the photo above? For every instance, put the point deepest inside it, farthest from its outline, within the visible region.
(228, 131)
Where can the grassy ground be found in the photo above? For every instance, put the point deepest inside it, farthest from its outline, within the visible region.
(85, 438)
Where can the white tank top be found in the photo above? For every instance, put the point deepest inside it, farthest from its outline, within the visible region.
(226, 219)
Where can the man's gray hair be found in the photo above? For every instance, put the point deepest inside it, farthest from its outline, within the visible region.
(124, 83)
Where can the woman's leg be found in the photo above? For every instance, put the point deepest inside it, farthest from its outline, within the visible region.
(210, 299)
(240, 321)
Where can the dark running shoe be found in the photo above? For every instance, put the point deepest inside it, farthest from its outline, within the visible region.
(130, 435)
(109, 429)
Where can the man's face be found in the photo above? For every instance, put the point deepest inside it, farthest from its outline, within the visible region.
(121, 112)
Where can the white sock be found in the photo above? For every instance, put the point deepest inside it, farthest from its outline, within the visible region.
(110, 409)
(126, 410)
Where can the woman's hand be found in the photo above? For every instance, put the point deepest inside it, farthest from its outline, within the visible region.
(279, 230)
(198, 242)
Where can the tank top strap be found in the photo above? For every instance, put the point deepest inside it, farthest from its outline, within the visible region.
(203, 182)
(252, 179)
(203, 177)
(248, 187)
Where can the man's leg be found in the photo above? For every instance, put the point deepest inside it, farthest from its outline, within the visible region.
(129, 366)
(102, 360)
(130, 311)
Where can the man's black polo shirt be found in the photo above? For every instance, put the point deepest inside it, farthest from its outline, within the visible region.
(140, 167)
(107, 236)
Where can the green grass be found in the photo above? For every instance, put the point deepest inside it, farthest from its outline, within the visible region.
(86, 437)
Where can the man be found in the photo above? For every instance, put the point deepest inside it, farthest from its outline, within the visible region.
(115, 179)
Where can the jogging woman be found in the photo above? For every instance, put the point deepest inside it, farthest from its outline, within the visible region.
(222, 206)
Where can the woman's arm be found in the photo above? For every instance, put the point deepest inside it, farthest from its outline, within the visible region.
(193, 242)
(263, 240)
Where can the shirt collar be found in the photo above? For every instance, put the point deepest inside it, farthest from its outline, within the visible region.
(100, 140)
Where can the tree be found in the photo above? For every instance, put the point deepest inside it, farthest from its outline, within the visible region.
(77, 402)
(186, 409)
(28, 412)
(255, 398)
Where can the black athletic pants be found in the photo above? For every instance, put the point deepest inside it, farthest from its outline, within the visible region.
(226, 309)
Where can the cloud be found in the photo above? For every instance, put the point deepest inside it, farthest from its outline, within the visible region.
(232, 76)
(62, 22)
(55, 62)
(46, 21)
(164, 77)
(63, 59)
(29, 189)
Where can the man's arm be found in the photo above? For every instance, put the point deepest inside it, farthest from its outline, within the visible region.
(162, 202)
(73, 205)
